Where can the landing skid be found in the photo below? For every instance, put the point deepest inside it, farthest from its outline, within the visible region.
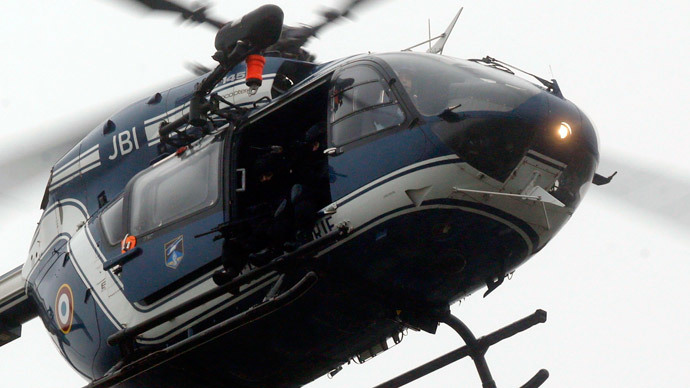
(126, 371)
(474, 348)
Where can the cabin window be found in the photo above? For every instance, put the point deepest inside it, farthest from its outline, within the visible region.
(112, 223)
(177, 187)
(361, 105)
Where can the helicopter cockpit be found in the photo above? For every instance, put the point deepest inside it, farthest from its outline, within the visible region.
(492, 118)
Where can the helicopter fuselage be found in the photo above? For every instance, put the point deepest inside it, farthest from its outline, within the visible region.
(448, 175)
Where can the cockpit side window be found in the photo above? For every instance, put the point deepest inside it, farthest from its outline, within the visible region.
(176, 188)
(361, 104)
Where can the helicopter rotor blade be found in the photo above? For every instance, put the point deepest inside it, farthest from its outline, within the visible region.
(33, 158)
(652, 189)
(197, 68)
(332, 15)
(197, 15)
(296, 37)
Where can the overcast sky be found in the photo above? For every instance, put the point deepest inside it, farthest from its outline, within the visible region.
(614, 281)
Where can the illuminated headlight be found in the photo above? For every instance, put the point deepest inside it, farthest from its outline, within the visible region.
(564, 130)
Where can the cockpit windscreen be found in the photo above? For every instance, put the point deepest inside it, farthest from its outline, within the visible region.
(435, 83)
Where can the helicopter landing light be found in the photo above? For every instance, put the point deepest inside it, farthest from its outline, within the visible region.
(564, 130)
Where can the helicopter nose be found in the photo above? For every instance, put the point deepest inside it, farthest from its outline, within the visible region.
(545, 131)
(567, 142)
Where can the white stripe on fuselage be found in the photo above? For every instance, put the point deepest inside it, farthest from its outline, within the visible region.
(438, 182)
(107, 289)
(86, 161)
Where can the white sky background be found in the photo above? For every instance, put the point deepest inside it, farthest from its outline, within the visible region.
(614, 281)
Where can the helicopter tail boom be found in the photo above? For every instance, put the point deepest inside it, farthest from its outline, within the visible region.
(15, 306)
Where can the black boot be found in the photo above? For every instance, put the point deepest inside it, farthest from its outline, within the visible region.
(225, 275)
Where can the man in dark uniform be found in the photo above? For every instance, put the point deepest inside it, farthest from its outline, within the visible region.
(267, 221)
(312, 188)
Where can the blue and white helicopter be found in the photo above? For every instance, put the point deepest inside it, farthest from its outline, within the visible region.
(274, 218)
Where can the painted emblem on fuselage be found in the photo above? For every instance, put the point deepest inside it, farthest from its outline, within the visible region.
(64, 308)
(174, 252)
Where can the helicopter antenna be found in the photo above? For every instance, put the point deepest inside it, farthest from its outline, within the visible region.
(437, 48)
(429, 22)
(440, 44)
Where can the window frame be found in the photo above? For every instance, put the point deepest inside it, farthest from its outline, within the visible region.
(384, 81)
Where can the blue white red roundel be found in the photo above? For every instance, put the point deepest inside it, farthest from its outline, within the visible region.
(64, 308)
